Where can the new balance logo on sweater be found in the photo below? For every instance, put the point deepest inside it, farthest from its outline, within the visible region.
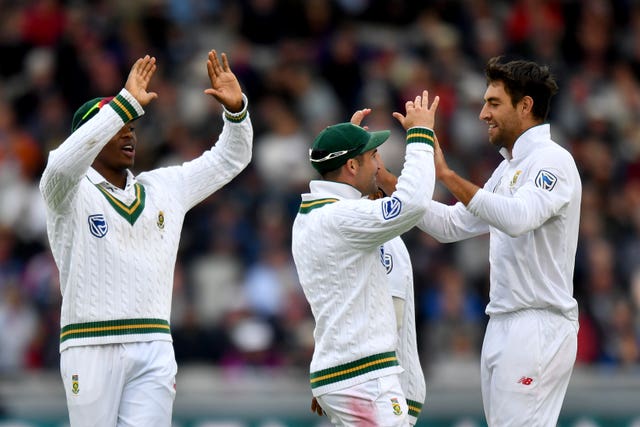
(525, 380)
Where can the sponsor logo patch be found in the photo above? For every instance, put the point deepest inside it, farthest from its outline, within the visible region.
(546, 180)
(391, 208)
(515, 178)
(386, 259)
(98, 225)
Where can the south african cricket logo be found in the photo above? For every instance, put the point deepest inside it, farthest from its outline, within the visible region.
(160, 220)
(515, 179)
(397, 409)
(75, 385)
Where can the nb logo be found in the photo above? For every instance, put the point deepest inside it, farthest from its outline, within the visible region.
(525, 381)
(391, 208)
(98, 225)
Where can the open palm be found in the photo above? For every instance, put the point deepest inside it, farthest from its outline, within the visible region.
(224, 84)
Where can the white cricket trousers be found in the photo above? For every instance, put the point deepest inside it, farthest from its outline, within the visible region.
(526, 363)
(378, 402)
(123, 385)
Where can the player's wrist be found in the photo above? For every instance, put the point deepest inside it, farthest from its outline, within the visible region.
(420, 135)
(238, 116)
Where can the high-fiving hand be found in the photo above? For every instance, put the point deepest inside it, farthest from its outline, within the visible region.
(359, 116)
(224, 84)
(418, 112)
(138, 80)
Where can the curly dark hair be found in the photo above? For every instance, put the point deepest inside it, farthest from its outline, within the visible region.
(524, 78)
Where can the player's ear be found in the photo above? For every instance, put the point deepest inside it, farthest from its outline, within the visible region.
(352, 166)
(526, 104)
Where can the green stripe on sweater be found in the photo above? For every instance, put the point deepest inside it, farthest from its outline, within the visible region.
(306, 207)
(114, 327)
(353, 369)
(414, 407)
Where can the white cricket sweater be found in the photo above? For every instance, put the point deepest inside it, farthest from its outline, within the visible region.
(337, 246)
(116, 249)
(531, 207)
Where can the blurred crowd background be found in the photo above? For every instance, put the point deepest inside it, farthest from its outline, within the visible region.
(305, 64)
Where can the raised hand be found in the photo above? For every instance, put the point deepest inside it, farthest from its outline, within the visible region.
(418, 112)
(138, 80)
(359, 116)
(224, 84)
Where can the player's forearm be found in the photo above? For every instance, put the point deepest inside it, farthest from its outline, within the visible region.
(386, 181)
(218, 166)
(74, 156)
(462, 189)
(235, 143)
(417, 180)
(69, 163)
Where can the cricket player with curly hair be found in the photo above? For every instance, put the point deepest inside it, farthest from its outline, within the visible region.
(114, 236)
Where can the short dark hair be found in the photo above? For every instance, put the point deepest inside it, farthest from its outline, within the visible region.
(524, 78)
(333, 174)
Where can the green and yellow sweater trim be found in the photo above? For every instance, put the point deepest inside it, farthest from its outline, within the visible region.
(239, 116)
(306, 207)
(414, 407)
(114, 327)
(132, 211)
(423, 135)
(125, 110)
(353, 369)
(236, 118)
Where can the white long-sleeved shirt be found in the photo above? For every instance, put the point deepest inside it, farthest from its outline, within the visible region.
(531, 207)
(116, 248)
(337, 246)
(397, 262)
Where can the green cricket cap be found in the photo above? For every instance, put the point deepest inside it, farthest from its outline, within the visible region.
(338, 143)
(87, 111)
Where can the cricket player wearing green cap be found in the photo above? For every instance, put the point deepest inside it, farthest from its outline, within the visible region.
(114, 237)
(337, 244)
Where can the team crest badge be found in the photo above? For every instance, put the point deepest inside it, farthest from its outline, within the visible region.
(391, 208)
(397, 409)
(546, 180)
(160, 220)
(98, 225)
(515, 179)
(75, 385)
